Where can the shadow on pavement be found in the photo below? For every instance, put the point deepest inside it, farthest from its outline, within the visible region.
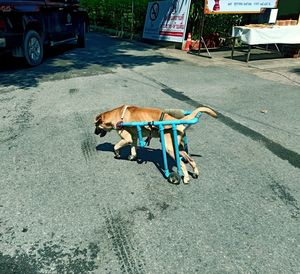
(102, 54)
(145, 155)
(296, 70)
(256, 54)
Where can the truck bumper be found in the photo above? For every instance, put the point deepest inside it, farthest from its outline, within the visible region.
(10, 41)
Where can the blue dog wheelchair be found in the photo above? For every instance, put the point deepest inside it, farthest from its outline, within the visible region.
(173, 177)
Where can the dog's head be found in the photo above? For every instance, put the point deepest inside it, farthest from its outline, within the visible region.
(102, 126)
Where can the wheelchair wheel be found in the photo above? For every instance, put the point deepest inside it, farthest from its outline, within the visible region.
(174, 178)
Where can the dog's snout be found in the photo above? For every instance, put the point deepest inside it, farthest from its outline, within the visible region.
(97, 130)
(103, 133)
(100, 131)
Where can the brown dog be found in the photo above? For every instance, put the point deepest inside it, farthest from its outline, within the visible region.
(109, 120)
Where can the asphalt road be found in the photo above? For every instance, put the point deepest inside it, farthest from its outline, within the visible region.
(67, 206)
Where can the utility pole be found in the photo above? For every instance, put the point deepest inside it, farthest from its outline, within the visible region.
(132, 18)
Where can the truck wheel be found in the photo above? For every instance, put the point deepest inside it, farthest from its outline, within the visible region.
(33, 48)
(81, 40)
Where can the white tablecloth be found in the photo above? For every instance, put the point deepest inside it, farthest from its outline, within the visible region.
(267, 35)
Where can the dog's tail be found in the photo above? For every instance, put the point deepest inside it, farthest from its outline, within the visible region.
(206, 110)
(179, 113)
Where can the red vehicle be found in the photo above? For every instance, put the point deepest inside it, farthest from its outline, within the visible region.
(26, 26)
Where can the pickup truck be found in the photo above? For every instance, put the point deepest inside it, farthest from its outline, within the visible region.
(26, 26)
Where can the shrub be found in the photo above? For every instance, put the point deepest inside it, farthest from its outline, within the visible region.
(129, 15)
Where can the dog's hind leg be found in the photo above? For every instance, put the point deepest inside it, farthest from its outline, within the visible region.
(170, 151)
(133, 155)
(191, 162)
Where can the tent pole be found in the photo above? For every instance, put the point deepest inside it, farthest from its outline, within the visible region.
(201, 40)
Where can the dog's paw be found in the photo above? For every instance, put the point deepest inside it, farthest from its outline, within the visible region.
(195, 173)
(195, 176)
(186, 180)
(132, 158)
(117, 154)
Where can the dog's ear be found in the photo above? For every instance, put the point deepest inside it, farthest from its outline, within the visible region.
(98, 119)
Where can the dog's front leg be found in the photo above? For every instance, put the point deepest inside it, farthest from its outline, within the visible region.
(126, 139)
(118, 146)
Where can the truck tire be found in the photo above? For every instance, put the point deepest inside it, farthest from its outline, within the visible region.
(81, 40)
(33, 48)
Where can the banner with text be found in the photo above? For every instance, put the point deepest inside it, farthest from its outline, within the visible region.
(166, 20)
(238, 6)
